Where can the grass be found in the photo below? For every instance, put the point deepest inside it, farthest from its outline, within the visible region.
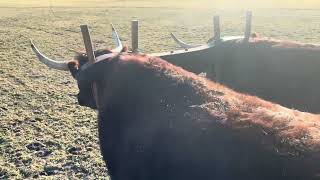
(106, 3)
(43, 132)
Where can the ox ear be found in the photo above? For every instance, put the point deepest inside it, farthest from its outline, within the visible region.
(74, 68)
(125, 49)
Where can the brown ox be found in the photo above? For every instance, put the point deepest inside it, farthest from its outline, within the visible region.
(158, 121)
(283, 72)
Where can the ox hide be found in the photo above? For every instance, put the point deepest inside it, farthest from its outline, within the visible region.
(158, 121)
(287, 73)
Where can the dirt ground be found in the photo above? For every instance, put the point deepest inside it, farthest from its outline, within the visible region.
(43, 132)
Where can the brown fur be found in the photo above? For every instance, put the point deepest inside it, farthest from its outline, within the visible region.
(284, 44)
(283, 72)
(284, 122)
(177, 116)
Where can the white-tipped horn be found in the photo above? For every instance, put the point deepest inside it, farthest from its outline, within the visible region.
(60, 65)
(116, 40)
(181, 43)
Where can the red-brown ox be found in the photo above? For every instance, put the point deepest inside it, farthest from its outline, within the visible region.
(158, 121)
(283, 72)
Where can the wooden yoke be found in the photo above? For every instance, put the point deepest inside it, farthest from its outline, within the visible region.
(247, 32)
(90, 53)
(135, 35)
(216, 28)
(88, 43)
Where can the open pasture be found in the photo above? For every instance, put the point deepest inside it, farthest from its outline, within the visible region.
(43, 132)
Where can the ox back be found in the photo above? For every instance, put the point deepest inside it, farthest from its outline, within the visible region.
(281, 72)
(158, 121)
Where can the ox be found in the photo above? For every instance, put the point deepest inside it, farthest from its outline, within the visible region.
(283, 72)
(158, 121)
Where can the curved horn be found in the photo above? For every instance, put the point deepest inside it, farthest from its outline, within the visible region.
(116, 40)
(60, 65)
(181, 43)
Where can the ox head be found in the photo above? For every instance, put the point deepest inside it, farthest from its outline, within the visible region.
(79, 65)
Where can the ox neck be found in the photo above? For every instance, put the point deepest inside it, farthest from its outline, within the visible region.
(94, 84)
